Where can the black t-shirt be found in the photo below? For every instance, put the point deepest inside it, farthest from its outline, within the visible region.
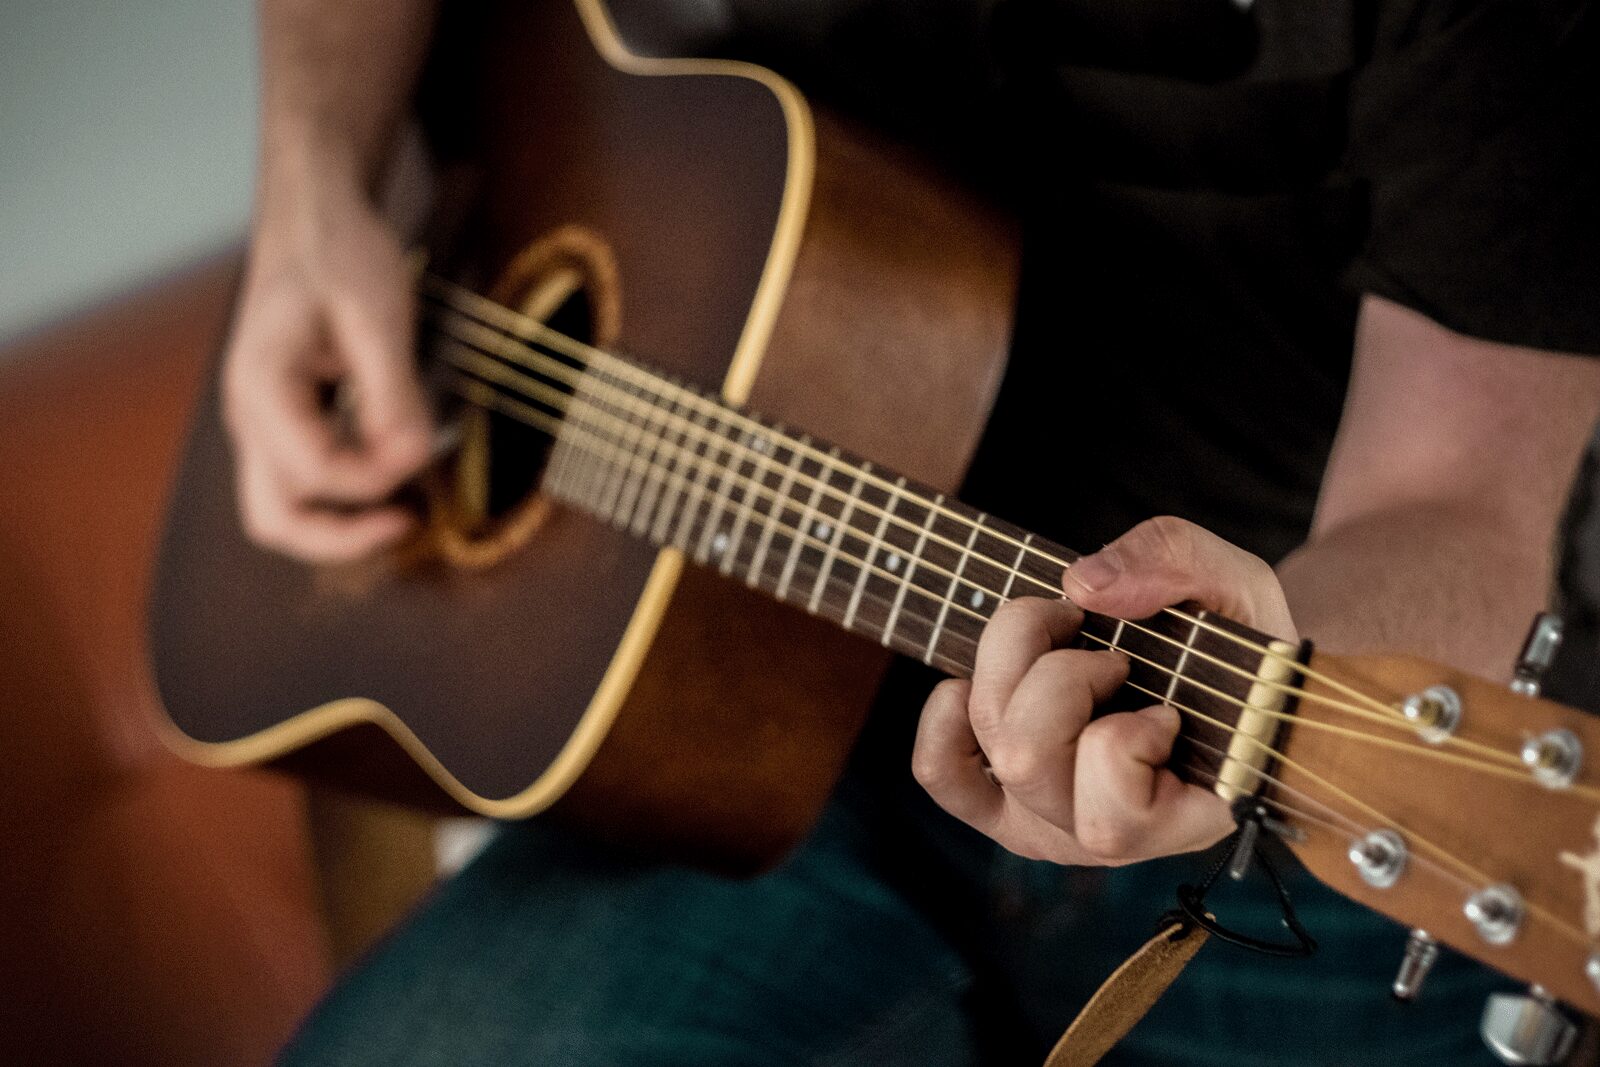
(1207, 188)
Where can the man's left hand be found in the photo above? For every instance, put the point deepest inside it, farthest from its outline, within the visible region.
(1014, 753)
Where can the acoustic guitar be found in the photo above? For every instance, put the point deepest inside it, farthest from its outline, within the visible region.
(639, 598)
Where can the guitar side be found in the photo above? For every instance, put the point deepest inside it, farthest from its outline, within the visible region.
(826, 274)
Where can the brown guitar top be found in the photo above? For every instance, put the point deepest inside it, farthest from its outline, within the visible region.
(730, 211)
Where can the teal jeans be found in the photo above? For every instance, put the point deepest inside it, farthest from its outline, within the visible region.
(893, 936)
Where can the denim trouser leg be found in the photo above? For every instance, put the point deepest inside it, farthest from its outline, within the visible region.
(547, 951)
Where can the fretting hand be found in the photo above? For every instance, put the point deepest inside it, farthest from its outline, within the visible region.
(1013, 752)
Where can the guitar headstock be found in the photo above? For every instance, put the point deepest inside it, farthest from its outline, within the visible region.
(1474, 814)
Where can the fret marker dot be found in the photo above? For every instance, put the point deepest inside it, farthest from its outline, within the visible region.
(893, 562)
(719, 544)
(824, 531)
(977, 598)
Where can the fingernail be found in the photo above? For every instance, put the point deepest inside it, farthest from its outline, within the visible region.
(1166, 715)
(1094, 572)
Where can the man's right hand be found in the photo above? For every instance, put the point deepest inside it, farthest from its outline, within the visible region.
(328, 304)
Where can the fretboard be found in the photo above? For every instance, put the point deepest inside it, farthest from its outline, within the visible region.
(829, 532)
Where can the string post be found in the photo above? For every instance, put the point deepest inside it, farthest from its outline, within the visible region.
(1496, 911)
(1379, 858)
(1435, 713)
(1554, 757)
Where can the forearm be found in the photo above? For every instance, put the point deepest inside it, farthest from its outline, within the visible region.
(1447, 582)
(336, 84)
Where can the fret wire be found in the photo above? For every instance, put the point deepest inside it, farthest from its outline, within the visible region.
(612, 483)
(807, 516)
(1005, 594)
(874, 547)
(633, 485)
(780, 500)
(675, 499)
(911, 566)
(1183, 655)
(702, 479)
(719, 502)
(746, 510)
(650, 496)
(587, 470)
(841, 525)
(955, 579)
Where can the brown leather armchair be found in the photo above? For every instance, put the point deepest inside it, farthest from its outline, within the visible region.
(150, 912)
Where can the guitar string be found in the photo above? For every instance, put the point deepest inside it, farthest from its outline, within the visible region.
(1389, 717)
(1331, 825)
(526, 329)
(1473, 876)
(653, 469)
(511, 378)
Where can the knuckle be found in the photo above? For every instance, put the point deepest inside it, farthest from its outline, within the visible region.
(985, 709)
(1019, 765)
(1110, 841)
(1166, 537)
(926, 768)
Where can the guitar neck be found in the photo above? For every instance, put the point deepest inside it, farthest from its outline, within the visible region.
(820, 528)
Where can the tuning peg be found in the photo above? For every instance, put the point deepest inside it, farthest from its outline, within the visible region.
(1421, 951)
(1538, 652)
(1528, 1029)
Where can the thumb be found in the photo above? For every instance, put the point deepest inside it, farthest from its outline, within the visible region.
(1165, 561)
(373, 321)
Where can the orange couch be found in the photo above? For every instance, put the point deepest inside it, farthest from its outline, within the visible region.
(150, 912)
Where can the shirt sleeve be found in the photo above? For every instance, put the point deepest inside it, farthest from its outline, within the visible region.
(1475, 130)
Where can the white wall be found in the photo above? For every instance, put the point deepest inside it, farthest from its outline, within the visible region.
(126, 144)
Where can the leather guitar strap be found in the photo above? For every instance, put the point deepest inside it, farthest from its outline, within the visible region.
(1127, 996)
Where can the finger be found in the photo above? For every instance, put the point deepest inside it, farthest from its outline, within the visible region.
(1129, 805)
(373, 320)
(274, 404)
(947, 761)
(1165, 561)
(1019, 633)
(1032, 751)
(274, 520)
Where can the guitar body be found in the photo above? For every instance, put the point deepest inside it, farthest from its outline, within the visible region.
(716, 226)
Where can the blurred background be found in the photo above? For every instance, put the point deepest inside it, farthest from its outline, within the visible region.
(126, 144)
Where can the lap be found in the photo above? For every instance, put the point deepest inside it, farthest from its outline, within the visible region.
(547, 951)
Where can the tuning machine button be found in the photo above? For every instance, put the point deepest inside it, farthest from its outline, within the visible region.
(1554, 757)
(1496, 911)
(1379, 857)
(1527, 1029)
(1421, 951)
(1434, 713)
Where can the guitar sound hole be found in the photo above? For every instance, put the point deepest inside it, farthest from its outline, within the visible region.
(517, 451)
(491, 505)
